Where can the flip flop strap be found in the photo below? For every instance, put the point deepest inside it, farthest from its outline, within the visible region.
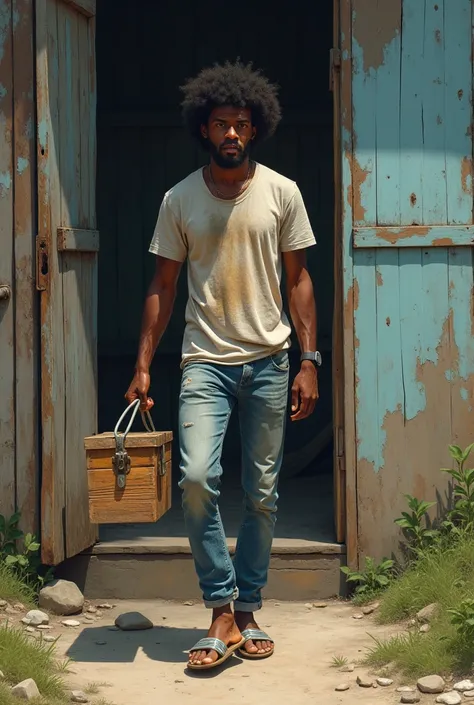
(208, 644)
(255, 635)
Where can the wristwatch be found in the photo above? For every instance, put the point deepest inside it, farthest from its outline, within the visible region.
(313, 356)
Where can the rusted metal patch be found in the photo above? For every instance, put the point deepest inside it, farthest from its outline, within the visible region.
(466, 175)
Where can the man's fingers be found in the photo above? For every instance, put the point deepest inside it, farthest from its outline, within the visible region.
(295, 401)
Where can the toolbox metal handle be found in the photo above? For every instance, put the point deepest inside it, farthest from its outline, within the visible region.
(121, 459)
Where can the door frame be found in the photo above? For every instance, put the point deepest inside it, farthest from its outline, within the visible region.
(345, 297)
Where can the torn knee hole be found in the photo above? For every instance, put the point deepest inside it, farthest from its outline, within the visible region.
(188, 424)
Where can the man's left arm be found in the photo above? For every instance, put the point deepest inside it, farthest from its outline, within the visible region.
(304, 391)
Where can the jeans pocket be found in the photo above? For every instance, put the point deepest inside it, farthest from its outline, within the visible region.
(281, 362)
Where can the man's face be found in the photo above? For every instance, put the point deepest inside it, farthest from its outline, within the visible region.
(229, 132)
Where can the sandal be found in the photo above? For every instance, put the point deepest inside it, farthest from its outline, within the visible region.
(255, 635)
(212, 644)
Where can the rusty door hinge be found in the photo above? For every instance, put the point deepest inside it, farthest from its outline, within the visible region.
(334, 65)
(42, 263)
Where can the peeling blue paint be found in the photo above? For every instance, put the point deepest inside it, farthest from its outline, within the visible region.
(43, 133)
(3, 91)
(5, 26)
(22, 164)
(5, 182)
(464, 393)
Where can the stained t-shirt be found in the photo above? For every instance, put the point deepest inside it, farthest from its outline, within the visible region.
(233, 250)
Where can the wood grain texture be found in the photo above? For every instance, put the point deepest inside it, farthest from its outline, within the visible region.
(147, 493)
(133, 440)
(69, 303)
(86, 7)
(7, 277)
(414, 236)
(412, 258)
(26, 314)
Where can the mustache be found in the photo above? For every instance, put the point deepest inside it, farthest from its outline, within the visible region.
(235, 145)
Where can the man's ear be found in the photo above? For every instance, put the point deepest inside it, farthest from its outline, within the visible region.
(204, 132)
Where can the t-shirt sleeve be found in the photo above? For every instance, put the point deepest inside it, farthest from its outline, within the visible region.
(168, 238)
(296, 231)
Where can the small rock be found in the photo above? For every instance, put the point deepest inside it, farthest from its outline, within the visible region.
(364, 682)
(358, 615)
(412, 623)
(342, 687)
(410, 698)
(26, 690)
(61, 597)
(3, 604)
(431, 684)
(71, 623)
(452, 697)
(469, 694)
(98, 614)
(425, 628)
(464, 686)
(37, 617)
(89, 617)
(190, 604)
(26, 621)
(18, 606)
(113, 629)
(10, 610)
(307, 605)
(77, 696)
(101, 643)
(49, 639)
(320, 605)
(368, 609)
(44, 627)
(428, 613)
(106, 606)
(384, 682)
(30, 630)
(92, 609)
(133, 621)
(349, 668)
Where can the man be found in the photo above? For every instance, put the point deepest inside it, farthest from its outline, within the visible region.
(236, 222)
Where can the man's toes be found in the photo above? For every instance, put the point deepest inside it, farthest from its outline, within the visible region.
(251, 648)
(210, 657)
(268, 646)
(260, 646)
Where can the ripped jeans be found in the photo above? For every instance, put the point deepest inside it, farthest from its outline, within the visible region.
(209, 392)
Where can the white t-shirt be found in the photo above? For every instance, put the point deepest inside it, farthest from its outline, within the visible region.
(233, 249)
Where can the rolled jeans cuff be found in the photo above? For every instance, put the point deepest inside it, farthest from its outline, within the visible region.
(247, 606)
(215, 604)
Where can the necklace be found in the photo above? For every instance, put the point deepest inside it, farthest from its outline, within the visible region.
(234, 195)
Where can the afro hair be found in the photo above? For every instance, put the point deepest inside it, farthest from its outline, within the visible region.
(238, 85)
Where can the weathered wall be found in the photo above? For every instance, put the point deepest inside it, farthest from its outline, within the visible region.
(410, 284)
(18, 312)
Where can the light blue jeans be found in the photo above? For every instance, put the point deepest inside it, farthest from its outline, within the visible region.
(208, 395)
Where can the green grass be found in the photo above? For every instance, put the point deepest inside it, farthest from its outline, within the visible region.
(446, 576)
(22, 658)
(339, 661)
(11, 588)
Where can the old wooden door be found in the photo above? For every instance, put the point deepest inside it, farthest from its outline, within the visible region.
(67, 249)
(408, 235)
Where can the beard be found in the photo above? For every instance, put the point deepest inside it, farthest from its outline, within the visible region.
(226, 161)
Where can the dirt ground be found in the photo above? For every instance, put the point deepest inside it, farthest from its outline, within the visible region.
(146, 667)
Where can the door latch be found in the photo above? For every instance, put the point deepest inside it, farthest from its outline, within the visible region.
(5, 292)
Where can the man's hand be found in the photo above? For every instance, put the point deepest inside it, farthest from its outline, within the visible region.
(304, 392)
(138, 389)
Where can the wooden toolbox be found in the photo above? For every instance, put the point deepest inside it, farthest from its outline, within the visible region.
(129, 474)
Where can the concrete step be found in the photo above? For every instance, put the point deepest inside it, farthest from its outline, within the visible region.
(163, 568)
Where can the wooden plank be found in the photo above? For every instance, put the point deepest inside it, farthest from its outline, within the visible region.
(458, 91)
(337, 330)
(86, 7)
(411, 114)
(387, 105)
(92, 131)
(7, 310)
(414, 236)
(350, 292)
(434, 113)
(26, 316)
(52, 339)
(75, 240)
(84, 100)
(364, 91)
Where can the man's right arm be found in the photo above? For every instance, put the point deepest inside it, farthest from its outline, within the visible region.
(156, 315)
